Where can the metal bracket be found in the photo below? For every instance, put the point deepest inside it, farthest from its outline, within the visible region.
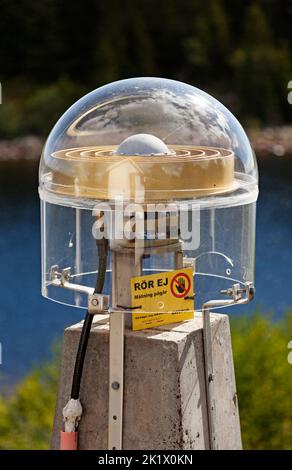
(98, 303)
(62, 279)
(236, 292)
(116, 379)
(62, 276)
(240, 295)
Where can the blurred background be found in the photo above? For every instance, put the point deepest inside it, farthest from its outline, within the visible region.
(51, 53)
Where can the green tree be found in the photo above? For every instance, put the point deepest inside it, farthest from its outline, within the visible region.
(264, 381)
(26, 417)
(206, 45)
(261, 68)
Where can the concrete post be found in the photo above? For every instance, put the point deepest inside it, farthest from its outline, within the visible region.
(164, 387)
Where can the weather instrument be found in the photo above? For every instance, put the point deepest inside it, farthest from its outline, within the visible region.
(148, 191)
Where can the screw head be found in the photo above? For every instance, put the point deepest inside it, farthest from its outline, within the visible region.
(94, 302)
(115, 385)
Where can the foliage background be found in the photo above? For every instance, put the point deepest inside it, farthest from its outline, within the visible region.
(53, 51)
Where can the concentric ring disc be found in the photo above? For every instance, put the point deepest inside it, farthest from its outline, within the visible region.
(188, 172)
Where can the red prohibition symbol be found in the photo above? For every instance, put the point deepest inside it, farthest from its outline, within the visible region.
(180, 285)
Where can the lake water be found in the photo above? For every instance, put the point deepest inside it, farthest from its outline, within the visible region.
(29, 324)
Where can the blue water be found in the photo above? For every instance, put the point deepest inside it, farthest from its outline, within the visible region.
(29, 324)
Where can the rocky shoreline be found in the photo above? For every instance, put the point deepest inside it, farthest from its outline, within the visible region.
(22, 149)
(272, 141)
(269, 141)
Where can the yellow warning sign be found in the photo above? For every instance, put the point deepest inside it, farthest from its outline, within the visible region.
(162, 298)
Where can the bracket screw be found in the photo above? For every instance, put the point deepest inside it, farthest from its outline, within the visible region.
(115, 385)
(94, 302)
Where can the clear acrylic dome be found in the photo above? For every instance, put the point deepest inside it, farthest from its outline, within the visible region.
(173, 150)
(206, 151)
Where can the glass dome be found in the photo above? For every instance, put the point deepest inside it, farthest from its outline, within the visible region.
(149, 142)
(209, 152)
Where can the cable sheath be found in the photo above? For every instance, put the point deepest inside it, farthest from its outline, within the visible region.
(102, 246)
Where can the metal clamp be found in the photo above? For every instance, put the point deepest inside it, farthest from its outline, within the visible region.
(61, 278)
(237, 291)
(98, 303)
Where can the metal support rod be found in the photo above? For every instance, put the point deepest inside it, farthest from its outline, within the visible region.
(124, 267)
(74, 287)
(116, 380)
(209, 377)
(236, 293)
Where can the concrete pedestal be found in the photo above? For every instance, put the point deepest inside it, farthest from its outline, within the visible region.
(165, 394)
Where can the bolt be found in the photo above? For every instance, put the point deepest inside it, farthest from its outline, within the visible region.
(115, 385)
(94, 302)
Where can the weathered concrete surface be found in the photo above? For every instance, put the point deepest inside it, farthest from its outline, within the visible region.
(165, 397)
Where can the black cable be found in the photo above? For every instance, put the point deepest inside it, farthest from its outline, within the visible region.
(102, 246)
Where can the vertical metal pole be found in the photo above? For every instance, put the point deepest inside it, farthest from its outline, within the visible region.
(209, 374)
(236, 292)
(116, 380)
(78, 251)
(124, 267)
